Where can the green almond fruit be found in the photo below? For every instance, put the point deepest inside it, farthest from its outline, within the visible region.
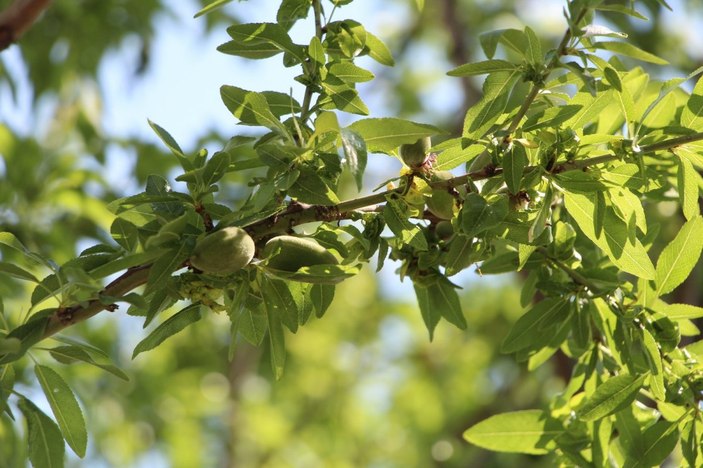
(414, 155)
(444, 230)
(290, 253)
(223, 252)
(441, 203)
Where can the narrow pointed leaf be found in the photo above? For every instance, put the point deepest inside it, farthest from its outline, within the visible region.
(530, 431)
(679, 257)
(46, 446)
(170, 327)
(65, 408)
(611, 396)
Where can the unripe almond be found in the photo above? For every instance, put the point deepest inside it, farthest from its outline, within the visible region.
(414, 155)
(444, 230)
(290, 253)
(223, 252)
(441, 203)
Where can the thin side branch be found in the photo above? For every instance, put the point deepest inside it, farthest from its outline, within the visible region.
(536, 88)
(16, 19)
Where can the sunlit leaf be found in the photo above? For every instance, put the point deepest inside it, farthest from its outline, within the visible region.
(529, 431)
(611, 396)
(679, 257)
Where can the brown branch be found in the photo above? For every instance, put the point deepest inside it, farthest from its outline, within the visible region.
(64, 317)
(17, 19)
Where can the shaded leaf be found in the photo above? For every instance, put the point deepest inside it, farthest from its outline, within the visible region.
(65, 408)
(46, 446)
(176, 323)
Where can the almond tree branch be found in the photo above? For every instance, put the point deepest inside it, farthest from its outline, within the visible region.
(299, 213)
(16, 19)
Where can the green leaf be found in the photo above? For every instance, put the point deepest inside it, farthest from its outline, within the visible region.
(534, 326)
(251, 108)
(692, 113)
(252, 323)
(280, 103)
(396, 216)
(496, 91)
(611, 396)
(659, 441)
(268, 34)
(165, 265)
(543, 216)
(621, 9)
(212, 7)
(442, 297)
(279, 300)
(355, 155)
(687, 179)
(378, 51)
(514, 162)
(681, 311)
(550, 117)
(311, 188)
(480, 68)
(46, 447)
(349, 73)
(533, 48)
(322, 296)
(327, 274)
(477, 215)
(345, 98)
(613, 78)
(253, 51)
(613, 239)
(456, 155)
(316, 51)
(291, 11)
(529, 431)
(430, 314)
(590, 107)
(183, 318)
(625, 48)
(276, 341)
(17, 272)
(462, 253)
(679, 257)
(654, 359)
(72, 354)
(125, 234)
(385, 135)
(65, 408)
(168, 140)
(577, 181)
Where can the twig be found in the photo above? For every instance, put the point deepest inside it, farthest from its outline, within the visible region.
(537, 87)
(16, 19)
(310, 89)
